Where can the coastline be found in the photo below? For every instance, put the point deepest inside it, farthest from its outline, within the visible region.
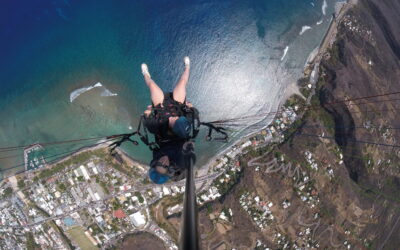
(313, 62)
(289, 91)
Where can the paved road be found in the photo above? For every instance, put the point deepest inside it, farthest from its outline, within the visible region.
(102, 201)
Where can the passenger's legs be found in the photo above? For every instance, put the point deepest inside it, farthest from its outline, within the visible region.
(180, 88)
(157, 95)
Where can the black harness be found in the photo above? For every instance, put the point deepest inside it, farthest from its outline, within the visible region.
(171, 108)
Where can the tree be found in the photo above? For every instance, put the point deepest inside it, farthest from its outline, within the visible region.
(21, 183)
(62, 187)
(140, 197)
(7, 192)
(30, 242)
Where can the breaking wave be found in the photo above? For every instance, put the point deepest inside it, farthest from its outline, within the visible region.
(320, 22)
(285, 52)
(324, 7)
(76, 93)
(304, 29)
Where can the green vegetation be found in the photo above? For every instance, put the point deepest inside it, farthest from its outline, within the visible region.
(115, 204)
(209, 208)
(241, 192)
(278, 155)
(224, 187)
(140, 197)
(95, 229)
(114, 225)
(315, 102)
(368, 244)
(103, 185)
(178, 199)
(30, 242)
(123, 168)
(39, 209)
(368, 160)
(146, 181)
(7, 192)
(305, 91)
(78, 234)
(303, 86)
(253, 152)
(227, 214)
(295, 100)
(294, 127)
(336, 51)
(80, 178)
(74, 160)
(21, 183)
(327, 120)
(159, 214)
(61, 232)
(61, 187)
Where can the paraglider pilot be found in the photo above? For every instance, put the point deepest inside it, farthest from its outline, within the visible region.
(167, 118)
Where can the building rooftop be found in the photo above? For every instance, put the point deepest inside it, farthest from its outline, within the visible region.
(119, 214)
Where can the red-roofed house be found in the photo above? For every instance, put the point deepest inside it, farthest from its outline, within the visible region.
(51, 180)
(119, 214)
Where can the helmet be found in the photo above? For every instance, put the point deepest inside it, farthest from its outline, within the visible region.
(182, 127)
(156, 177)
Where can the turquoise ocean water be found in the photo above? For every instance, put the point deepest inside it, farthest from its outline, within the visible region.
(243, 53)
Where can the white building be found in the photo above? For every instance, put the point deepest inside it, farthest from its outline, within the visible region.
(246, 144)
(93, 167)
(91, 194)
(97, 196)
(138, 219)
(84, 172)
(76, 173)
(166, 191)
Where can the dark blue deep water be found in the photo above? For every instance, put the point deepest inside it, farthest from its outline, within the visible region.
(49, 49)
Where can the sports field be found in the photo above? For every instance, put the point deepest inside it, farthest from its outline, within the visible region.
(77, 234)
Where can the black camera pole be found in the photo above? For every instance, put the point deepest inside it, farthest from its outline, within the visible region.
(189, 231)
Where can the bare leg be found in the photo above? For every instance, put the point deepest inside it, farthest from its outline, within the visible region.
(157, 95)
(180, 88)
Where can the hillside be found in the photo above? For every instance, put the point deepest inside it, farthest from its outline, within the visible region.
(329, 184)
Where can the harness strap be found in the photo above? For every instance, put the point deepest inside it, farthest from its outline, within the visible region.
(191, 113)
(125, 137)
(219, 130)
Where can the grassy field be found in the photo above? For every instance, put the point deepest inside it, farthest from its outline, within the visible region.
(77, 234)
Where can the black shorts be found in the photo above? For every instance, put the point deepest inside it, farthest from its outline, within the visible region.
(168, 100)
(158, 123)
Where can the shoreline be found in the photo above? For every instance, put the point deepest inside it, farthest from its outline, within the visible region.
(315, 58)
(290, 90)
(81, 150)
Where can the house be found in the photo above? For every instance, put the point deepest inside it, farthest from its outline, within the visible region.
(138, 219)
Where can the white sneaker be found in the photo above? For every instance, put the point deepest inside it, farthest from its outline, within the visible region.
(145, 70)
(187, 61)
